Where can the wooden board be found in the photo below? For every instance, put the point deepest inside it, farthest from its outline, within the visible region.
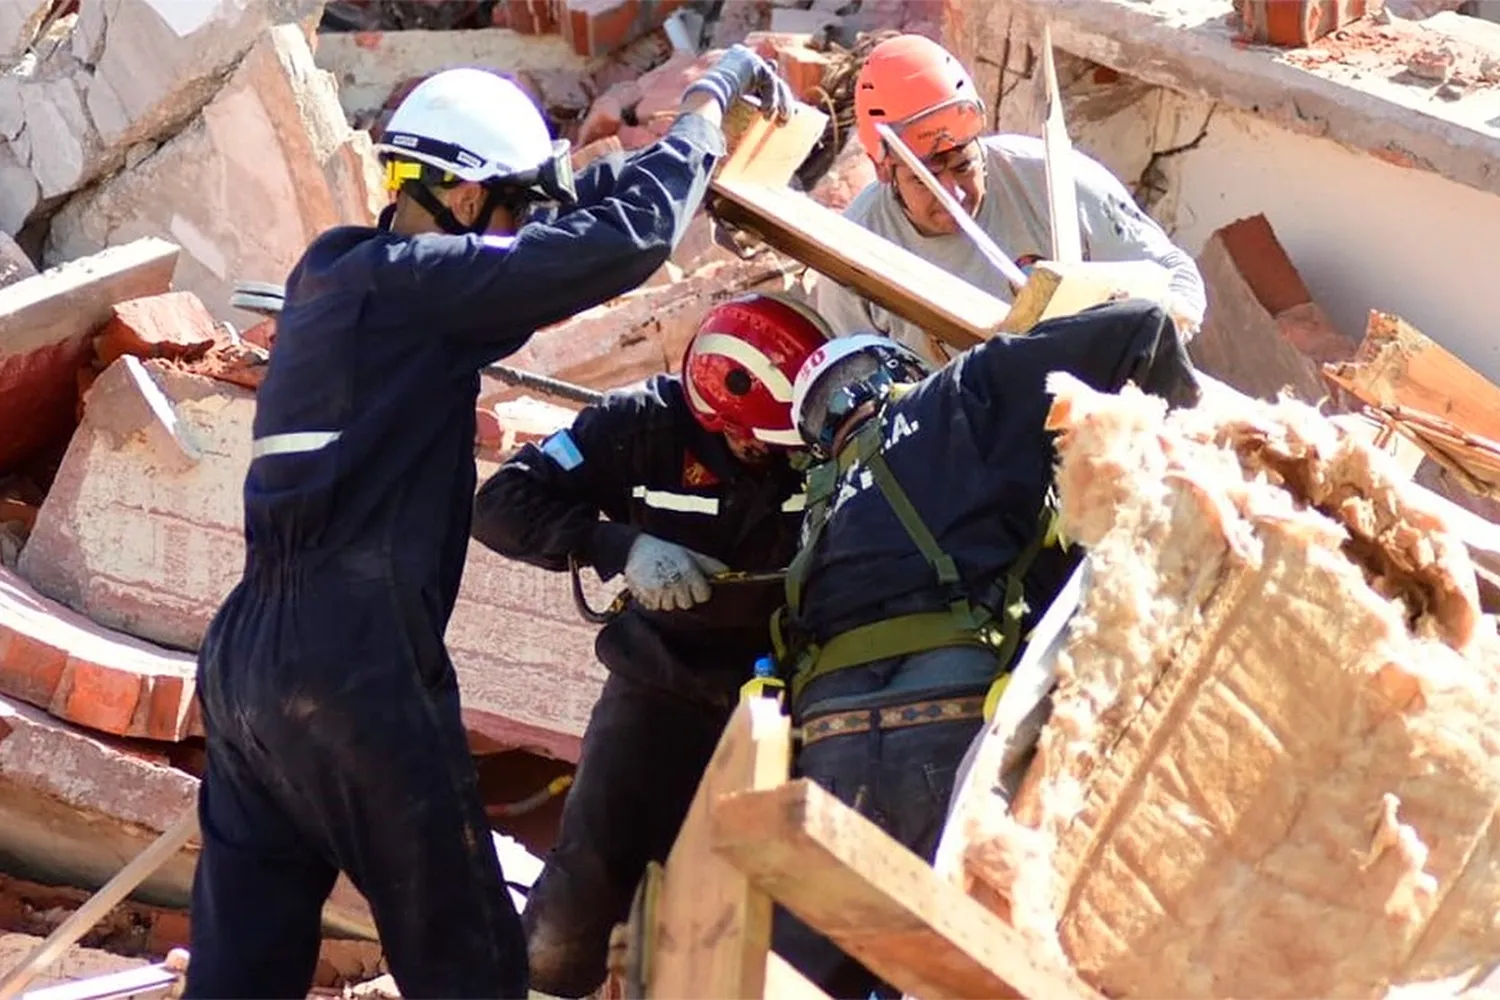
(1054, 289)
(1397, 365)
(878, 901)
(891, 276)
(711, 929)
(750, 192)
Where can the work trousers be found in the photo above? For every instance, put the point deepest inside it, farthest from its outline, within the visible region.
(899, 779)
(644, 753)
(368, 773)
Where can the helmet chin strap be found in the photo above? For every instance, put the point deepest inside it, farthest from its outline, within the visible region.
(445, 218)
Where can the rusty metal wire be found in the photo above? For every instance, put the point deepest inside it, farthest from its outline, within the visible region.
(835, 97)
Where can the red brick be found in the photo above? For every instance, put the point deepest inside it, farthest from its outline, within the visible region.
(598, 27)
(46, 323)
(803, 70)
(58, 660)
(1262, 332)
(529, 17)
(171, 325)
(262, 334)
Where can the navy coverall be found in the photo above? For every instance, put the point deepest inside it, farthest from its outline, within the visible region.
(332, 709)
(968, 447)
(642, 461)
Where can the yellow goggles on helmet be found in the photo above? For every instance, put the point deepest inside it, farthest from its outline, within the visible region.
(398, 172)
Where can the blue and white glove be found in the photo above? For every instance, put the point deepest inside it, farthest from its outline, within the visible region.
(664, 576)
(741, 72)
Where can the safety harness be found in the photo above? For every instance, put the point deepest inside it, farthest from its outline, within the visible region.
(964, 623)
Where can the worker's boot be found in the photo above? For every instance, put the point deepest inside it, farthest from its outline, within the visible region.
(568, 919)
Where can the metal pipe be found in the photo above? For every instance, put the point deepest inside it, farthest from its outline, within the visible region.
(543, 384)
(991, 251)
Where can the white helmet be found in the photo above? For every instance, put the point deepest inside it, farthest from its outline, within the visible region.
(471, 123)
(829, 386)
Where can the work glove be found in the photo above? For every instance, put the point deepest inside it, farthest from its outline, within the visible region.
(741, 72)
(664, 576)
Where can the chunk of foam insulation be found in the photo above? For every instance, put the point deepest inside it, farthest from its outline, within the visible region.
(1273, 764)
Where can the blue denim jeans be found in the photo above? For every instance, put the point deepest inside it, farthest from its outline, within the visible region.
(900, 779)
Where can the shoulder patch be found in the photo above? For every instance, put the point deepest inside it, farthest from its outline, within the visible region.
(695, 473)
(562, 449)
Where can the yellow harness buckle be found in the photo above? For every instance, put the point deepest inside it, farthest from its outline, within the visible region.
(761, 687)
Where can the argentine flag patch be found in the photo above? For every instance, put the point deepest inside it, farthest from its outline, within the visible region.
(561, 448)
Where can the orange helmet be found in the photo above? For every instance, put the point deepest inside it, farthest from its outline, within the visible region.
(915, 86)
(739, 366)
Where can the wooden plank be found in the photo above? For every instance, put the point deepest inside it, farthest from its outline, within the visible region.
(711, 929)
(915, 289)
(1397, 365)
(1055, 289)
(763, 152)
(881, 903)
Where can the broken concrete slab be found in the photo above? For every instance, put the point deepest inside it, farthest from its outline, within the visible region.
(145, 542)
(76, 963)
(274, 135)
(56, 659)
(132, 535)
(14, 264)
(1263, 333)
(369, 66)
(46, 326)
(173, 325)
(640, 333)
(75, 808)
(134, 70)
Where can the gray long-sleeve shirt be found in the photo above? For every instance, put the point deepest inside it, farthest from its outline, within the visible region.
(1014, 214)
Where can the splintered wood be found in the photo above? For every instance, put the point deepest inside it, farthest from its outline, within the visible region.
(1273, 765)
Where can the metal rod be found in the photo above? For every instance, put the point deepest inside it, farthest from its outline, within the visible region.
(987, 246)
(1062, 190)
(543, 384)
(72, 930)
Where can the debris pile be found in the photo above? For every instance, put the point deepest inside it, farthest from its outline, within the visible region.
(127, 384)
(1271, 766)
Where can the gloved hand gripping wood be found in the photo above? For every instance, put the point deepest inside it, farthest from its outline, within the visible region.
(741, 72)
(664, 576)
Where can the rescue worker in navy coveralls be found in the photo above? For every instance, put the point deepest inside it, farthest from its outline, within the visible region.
(926, 557)
(334, 736)
(692, 476)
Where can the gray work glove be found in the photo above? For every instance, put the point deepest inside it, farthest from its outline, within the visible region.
(664, 576)
(741, 72)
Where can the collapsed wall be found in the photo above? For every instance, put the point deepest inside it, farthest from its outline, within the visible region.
(1271, 768)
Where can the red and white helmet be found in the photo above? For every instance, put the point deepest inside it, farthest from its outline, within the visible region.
(739, 366)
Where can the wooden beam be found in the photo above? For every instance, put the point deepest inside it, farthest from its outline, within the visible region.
(878, 901)
(1397, 365)
(750, 192)
(1055, 289)
(711, 928)
(891, 276)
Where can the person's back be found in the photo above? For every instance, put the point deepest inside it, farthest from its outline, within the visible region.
(903, 604)
(335, 740)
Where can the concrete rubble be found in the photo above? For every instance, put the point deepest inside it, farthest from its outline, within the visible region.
(154, 153)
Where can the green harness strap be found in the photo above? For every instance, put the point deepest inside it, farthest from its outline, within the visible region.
(962, 624)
